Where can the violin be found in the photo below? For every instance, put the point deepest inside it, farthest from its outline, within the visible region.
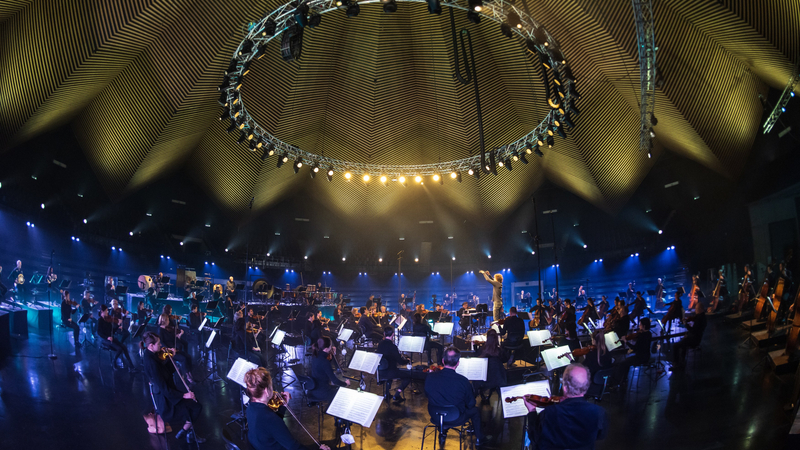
(537, 400)
(165, 353)
(433, 368)
(579, 352)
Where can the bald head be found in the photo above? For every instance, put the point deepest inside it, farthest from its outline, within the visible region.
(576, 380)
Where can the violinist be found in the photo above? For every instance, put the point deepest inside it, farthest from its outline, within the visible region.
(322, 372)
(87, 307)
(119, 313)
(266, 429)
(338, 313)
(497, 293)
(111, 290)
(640, 349)
(195, 318)
(105, 330)
(623, 323)
(496, 375)
(567, 323)
(171, 404)
(660, 293)
(421, 328)
(242, 341)
(448, 388)
(171, 336)
(387, 369)
(68, 308)
(598, 358)
(143, 314)
(589, 312)
(572, 423)
(368, 326)
(694, 334)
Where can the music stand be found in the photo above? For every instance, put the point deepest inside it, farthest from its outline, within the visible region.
(121, 290)
(84, 318)
(200, 298)
(164, 280)
(139, 331)
(64, 284)
(162, 296)
(524, 315)
(239, 286)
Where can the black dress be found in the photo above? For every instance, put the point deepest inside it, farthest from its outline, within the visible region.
(169, 401)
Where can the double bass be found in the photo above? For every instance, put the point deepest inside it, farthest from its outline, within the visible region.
(776, 305)
(693, 293)
(744, 292)
(794, 333)
(715, 295)
(762, 299)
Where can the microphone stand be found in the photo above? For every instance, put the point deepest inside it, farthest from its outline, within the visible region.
(52, 354)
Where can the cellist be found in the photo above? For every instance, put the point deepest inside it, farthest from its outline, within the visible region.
(538, 314)
(589, 312)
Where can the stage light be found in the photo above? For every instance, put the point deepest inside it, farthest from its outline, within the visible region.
(365, 177)
(130, 233)
(181, 243)
(660, 231)
(314, 20)
(649, 154)
(344, 259)
(168, 257)
(267, 253)
(352, 9)
(595, 260)
(380, 259)
(523, 158)
(508, 165)
(226, 250)
(113, 248)
(432, 274)
(584, 245)
(439, 178)
(637, 254)
(434, 7)
(601, 259)
(384, 180)
(28, 223)
(550, 142)
(505, 30)
(475, 5)
(225, 114)
(269, 28)
(418, 179)
(454, 258)
(120, 249)
(437, 273)
(389, 6)
(474, 17)
(330, 174)
(73, 238)
(298, 163)
(42, 205)
(347, 176)
(416, 260)
(402, 180)
(631, 255)
(162, 256)
(458, 176)
(501, 163)
(314, 170)
(283, 158)
(490, 256)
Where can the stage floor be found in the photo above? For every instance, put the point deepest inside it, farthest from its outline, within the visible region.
(720, 402)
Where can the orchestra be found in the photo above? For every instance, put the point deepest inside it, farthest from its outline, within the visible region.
(502, 345)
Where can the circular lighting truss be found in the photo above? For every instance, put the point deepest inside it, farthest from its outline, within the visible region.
(291, 19)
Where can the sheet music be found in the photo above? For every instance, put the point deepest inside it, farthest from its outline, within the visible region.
(587, 327)
(537, 337)
(345, 334)
(443, 328)
(273, 331)
(611, 341)
(594, 325)
(365, 361)
(211, 339)
(518, 408)
(355, 406)
(496, 327)
(473, 368)
(205, 319)
(401, 321)
(413, 344)
(277, 339)
(240, 367)
(551, 357)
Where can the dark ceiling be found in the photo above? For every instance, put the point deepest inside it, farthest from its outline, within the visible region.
(124, 93)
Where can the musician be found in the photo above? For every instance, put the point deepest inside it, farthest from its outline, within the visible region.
(387, 369)
(573, 423)
(368, 326)
(370, 302)
(552, 295)
(195, 317)
(422, 328)
(495, 372)
(674, 310)
(630, 293)
(231, 291)
(106, 332)
(266, 429)
(623, 323)
(313, 328)
(142, 313)
(242, 341)
(581, 297)
(598, 358)
(660, 293)
(589, 312)
(192, 299)
(111, 290)
(68, 308)
(639, 305)
(322, 372)
(159, 281)
(464, 321)
(694, 334)
(171, 336)
(3, 288)
(497, 293)
(14, 275)
(402, 300)
(602, 307)
(87, 307)
(568, 323)
(640, 348)
(118, 314)
(448, 388)
(171, 404)
(338, 313)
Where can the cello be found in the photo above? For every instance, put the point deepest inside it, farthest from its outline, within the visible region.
(762, 299)
(693, 292)
(794, 333)
(776, 305)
